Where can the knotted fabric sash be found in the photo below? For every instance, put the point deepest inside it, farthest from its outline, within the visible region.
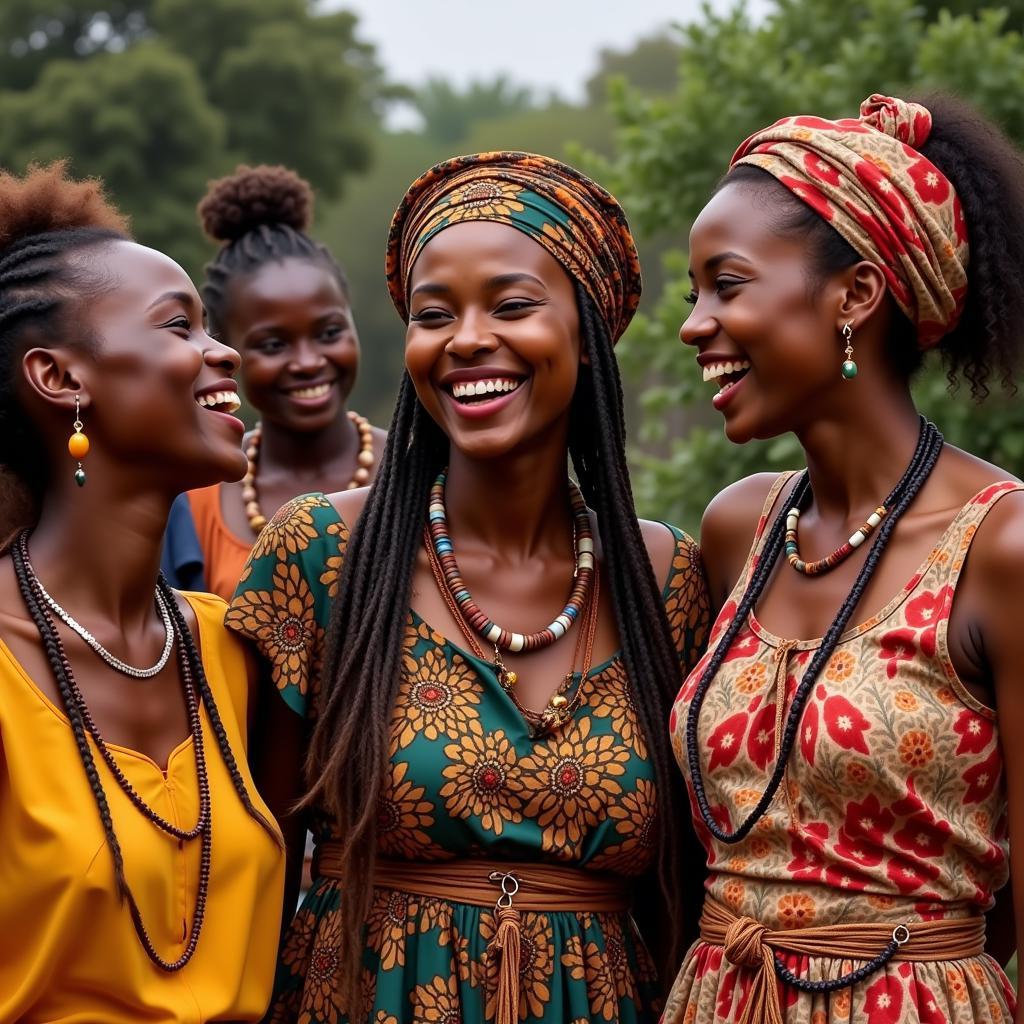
(747, 943)
(508, 886)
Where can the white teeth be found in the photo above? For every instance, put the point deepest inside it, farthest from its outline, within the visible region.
(716, 370)
(469, 389)
(229, 400)
(318, 391)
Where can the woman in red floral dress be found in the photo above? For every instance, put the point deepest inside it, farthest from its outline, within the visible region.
(854, 792)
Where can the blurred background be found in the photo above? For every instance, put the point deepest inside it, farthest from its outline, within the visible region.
(650, 97)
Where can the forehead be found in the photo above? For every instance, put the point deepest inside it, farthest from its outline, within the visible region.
(739, 216)
(133, 274)
(287, 282)
(481, 249)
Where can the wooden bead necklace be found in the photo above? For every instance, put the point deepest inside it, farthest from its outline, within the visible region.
(560, 709)
(81, 718)
(360, 478)
(840, 554)
(507, 640)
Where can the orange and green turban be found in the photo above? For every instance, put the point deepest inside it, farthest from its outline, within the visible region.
(572, 217)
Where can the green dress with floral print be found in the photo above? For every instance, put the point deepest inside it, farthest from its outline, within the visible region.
(466, 779)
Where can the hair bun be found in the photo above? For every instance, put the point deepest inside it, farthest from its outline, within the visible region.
(241, 202)
(46, 199)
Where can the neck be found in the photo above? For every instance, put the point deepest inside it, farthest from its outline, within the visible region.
(516, 506)
(298, 453)
(856, 455)
(98, 553)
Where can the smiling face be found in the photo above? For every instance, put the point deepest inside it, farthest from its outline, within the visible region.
(493, 344)
(765, 329)
(159, 398)
(291, 323)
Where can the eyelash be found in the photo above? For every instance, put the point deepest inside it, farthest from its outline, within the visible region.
(721, 285)
(179, 323)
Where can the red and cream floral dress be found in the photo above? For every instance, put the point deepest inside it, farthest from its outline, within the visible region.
(893, 808)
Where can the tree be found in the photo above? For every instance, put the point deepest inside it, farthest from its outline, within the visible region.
(651, 66)
(158, 96)
(449, 113)
(736, 75)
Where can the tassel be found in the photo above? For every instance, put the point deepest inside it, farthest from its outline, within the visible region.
(507, 942)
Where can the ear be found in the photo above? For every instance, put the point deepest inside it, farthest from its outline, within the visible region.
(862, 290)
(53, 374)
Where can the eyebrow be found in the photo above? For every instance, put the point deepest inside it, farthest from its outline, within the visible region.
(183, 297)
(498, 281)
(713, 262)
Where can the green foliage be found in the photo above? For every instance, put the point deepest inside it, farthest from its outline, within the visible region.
(736, 75)
(449, 114)
(651, 65)
(158, 96)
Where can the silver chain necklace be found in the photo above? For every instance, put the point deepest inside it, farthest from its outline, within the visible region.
(110, 659)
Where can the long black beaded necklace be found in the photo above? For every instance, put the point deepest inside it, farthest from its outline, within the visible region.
(929, 445)
(82, 723)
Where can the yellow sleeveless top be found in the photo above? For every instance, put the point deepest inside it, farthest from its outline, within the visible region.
(68, 950)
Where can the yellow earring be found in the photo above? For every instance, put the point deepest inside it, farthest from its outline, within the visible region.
(78, 445)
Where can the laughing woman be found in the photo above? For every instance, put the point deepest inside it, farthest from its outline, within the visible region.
(281, 301)
(140, 875)
(489, 793)
(854, 739)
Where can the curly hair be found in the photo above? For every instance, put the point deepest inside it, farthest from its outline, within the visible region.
(987, 171)
(47, 220)
(260, 215)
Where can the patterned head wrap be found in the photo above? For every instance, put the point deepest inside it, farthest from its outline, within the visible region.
(572, 217)
(896, 208)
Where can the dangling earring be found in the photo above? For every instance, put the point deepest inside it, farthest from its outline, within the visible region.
(849, 366)
(78, 444)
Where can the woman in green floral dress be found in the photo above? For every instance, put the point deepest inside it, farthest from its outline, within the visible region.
(450, 760)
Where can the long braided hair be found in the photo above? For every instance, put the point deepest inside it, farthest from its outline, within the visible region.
(348, 752)
(261, 215)
(48, 222)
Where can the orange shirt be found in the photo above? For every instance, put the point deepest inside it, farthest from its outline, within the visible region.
(224, 554)
(68, 950)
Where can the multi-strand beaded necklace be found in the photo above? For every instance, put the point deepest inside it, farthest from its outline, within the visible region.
(583, 600)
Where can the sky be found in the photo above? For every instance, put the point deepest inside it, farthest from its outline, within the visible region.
(546, 44)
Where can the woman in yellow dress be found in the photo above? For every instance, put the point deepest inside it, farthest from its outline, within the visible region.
(140, 874)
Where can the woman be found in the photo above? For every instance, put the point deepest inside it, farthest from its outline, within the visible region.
(484, 800)
(281, 301)
(140, 874)
(852, 791)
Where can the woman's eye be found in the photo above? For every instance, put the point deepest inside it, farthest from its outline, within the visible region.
(429, 315)
(179, 323)
(270, 345)
(723, 284)
(691, 298)
(516, 305)
(333, 331)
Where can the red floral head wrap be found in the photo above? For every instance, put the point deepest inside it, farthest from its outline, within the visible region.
(895, 207)
(572, 217)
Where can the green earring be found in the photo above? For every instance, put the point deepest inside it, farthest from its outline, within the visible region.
(849, 366)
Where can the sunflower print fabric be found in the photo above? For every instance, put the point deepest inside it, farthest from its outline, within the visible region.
(893, 808)
(465, 779)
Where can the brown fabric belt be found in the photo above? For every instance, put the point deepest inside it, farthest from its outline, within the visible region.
(749, 944)
(508, 886)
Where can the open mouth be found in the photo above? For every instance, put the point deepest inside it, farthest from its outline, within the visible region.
(726, 373)
(477, 392)
(314, 391)
(220, 401)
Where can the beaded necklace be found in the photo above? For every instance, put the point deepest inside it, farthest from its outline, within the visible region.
(560, 708)
(78, 712)
(841, 553)
(583, 576)
(361, 477)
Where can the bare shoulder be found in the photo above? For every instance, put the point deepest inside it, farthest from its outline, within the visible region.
(661, 546)
(727, 530)
(349, 504)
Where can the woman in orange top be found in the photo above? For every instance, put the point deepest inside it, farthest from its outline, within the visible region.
(140, 874)
(281, 301)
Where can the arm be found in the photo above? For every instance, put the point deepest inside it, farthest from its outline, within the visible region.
(277, 751)
(996, 576)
